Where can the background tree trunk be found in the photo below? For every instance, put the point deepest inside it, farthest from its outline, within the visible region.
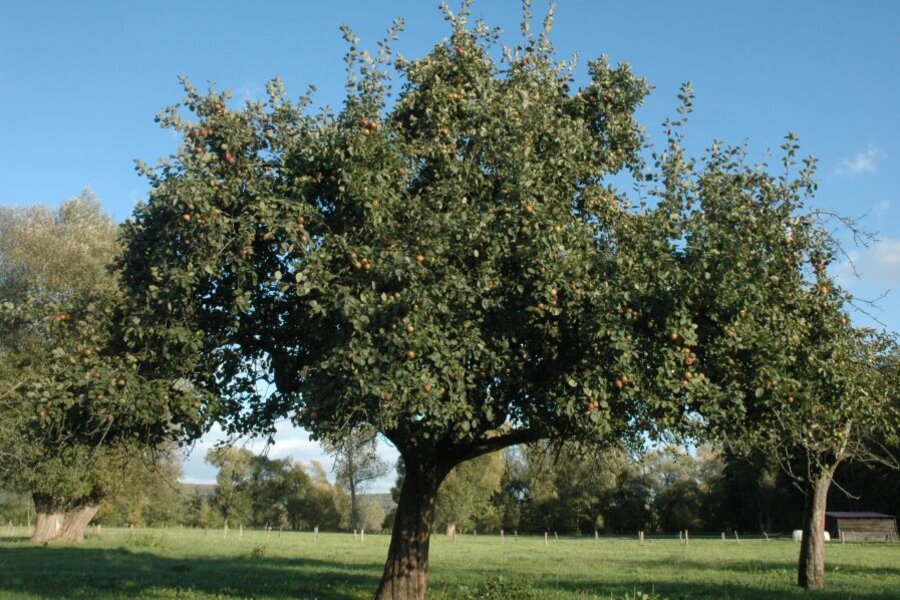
(406, 570)
(811, 569)
(77, 519)
(49, 513)
(354, 511)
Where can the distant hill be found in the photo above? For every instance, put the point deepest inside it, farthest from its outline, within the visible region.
(198, 489)
(209, 490)
(384, 499)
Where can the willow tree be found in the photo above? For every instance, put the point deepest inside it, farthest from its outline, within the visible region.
(74, 404)
(446, 265)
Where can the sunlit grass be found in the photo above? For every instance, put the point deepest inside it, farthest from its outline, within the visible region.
(176, 563)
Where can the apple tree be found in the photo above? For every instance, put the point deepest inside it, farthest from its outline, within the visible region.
(74, 401)
(770, 361)
(446, 264)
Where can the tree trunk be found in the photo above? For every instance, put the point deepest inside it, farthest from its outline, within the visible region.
(49, 513)
(354, 512)
(406, 570)
(77, 519)
(811, 569)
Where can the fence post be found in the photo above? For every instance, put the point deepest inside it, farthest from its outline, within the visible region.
(501, 536)
(316, 533)
(545, 538)
(596, 536)
(736, 538)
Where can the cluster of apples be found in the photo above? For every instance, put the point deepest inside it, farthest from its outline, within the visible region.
(368, 126)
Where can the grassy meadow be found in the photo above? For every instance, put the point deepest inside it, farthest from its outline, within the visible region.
(175, 563)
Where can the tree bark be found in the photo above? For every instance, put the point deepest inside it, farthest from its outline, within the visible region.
(811, 569)
(406, 570)
(354, 512)
(77, 519)
(50, 515)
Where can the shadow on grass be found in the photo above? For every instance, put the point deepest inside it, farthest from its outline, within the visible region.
(673, 590)
(771, 581)
(124, 572)
(75, 572)
(763, 566)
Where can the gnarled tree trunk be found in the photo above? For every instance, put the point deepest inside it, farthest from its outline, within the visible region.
(811, 569)
(406, 570)
(50, 516)
(77, 519)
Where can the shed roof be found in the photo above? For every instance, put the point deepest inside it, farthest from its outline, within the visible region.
(857, 515)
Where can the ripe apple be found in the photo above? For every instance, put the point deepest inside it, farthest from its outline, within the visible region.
(410, 354)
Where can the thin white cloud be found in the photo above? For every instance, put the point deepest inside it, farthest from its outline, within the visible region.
(878, 264)
(882, 208)
(865, 162)
(249, 92)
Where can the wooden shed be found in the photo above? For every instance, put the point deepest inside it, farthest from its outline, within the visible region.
(861, 526)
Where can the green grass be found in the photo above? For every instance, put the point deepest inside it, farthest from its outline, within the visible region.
(155, 563)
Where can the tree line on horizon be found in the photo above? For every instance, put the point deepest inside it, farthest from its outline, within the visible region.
(526, 490)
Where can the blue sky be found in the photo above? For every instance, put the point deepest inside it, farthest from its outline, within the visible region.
(81, 82)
